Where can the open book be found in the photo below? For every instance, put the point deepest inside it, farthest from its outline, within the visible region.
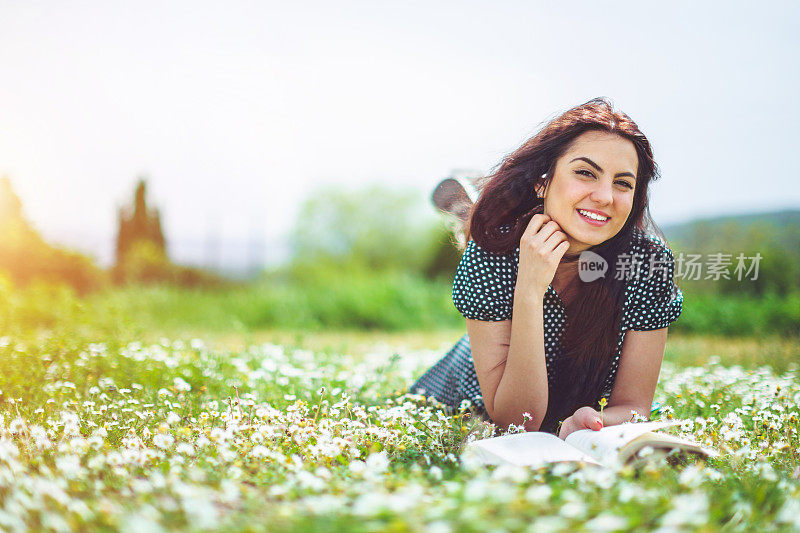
(610, 446)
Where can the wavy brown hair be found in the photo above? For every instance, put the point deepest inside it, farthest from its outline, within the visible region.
(502, 213)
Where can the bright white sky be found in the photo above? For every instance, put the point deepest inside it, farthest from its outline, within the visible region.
(234, 110)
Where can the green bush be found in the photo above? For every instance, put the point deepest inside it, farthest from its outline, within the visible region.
(389, 302)
(741, 315)
(25, 258)
(146, 263)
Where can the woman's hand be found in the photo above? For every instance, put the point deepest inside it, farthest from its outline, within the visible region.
(583, 418)
(541, 248)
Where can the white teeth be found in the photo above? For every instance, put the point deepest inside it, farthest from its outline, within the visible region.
(592, 215)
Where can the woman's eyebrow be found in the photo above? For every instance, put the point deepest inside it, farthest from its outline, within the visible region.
(595, 165)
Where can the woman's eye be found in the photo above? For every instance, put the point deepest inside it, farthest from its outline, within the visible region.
(584, 173)
(625, 184)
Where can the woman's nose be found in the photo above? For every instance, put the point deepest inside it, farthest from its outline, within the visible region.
(602, 194)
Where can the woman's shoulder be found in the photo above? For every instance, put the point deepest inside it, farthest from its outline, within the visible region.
(647, 256)
(474, 247)
(478, 257)
(483, 287)
(653, 299)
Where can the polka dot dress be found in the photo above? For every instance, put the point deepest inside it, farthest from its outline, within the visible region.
(483, 289)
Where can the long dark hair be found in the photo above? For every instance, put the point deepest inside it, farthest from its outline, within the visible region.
(502, 213)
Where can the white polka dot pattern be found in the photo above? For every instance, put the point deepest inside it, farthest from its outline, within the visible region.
(483, 289)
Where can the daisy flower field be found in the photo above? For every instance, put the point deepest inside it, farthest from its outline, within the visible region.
(178, 435)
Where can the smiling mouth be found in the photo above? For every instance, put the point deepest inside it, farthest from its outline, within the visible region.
(593, 218)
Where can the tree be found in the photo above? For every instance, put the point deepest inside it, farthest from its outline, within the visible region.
(137, 225)
(25, 257)
(369, 230)
(375, 227)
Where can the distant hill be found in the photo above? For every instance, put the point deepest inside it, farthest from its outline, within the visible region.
(775, 236)
(780, 221)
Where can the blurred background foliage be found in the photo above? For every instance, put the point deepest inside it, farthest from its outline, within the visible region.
(141, 251)
(775, 236)
(26, 258)
(369, 259)
(371, 230)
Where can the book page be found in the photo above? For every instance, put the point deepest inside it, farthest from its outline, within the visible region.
(605, 444)
(662, 441)
(525, 449)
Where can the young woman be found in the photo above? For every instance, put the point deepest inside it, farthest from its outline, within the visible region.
(545, 342)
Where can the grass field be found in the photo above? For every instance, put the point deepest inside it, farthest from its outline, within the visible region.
(159, 410)
(280, 430)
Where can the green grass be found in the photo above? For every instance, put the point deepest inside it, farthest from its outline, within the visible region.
(178, 434)
(109, 423)
(389, 302)
(780, 354)
(386, 302)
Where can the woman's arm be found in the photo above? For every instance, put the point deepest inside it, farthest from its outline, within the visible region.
(510, 364)
(637, 375)
(634, 386)
(509, 356)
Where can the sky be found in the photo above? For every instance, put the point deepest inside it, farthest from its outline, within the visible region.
(235, 111)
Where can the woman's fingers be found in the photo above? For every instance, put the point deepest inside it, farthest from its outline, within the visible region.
(536, 223)
(584, 418)
(560, 250)
(542, 246)
(588, 418)
(567, 427)
(547, 231)
(538, 239)
(555, 238)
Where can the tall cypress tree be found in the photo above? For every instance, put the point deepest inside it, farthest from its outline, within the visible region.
(139, 223)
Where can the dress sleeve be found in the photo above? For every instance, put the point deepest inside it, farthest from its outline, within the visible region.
(655, 300)
(483, 288)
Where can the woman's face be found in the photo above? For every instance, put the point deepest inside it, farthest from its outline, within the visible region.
(590, 194)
